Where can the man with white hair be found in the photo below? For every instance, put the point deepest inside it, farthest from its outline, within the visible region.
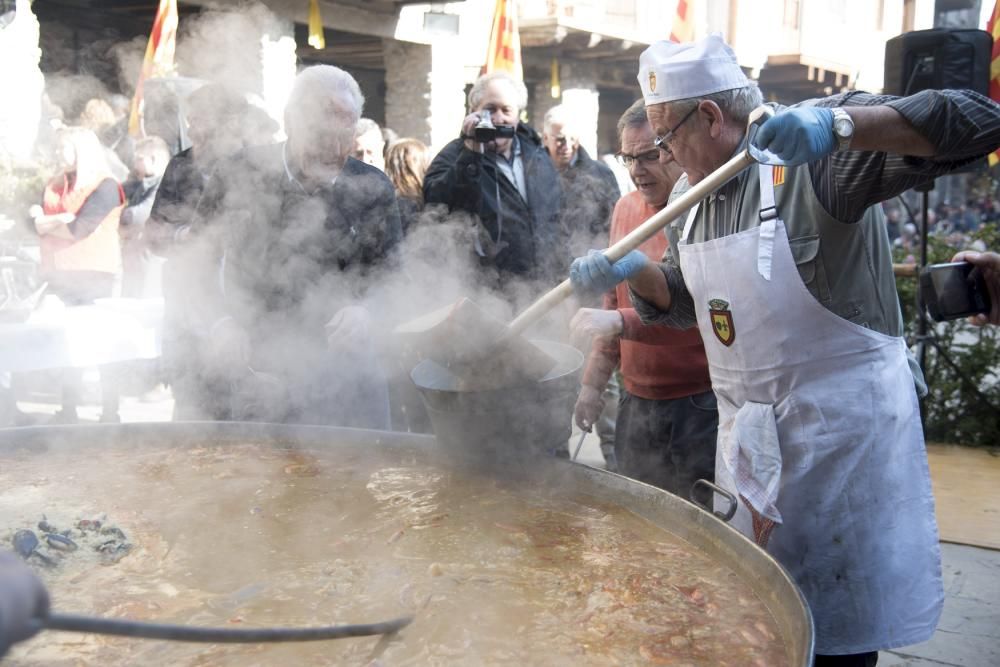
(369, 144)
(787, 272)
(589, 187)
(299, 229)
(507, 183)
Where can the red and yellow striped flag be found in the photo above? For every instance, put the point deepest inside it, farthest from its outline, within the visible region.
(993, 27)
(505, 44)
(682, 29)
(159, 59)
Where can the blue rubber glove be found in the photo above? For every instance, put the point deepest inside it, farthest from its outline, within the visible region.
(798, 136)
(594, 274)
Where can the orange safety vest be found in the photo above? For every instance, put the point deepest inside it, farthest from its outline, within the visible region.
(98, 251)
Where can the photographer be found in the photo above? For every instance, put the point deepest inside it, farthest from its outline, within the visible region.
(498, 171)
(989, 262)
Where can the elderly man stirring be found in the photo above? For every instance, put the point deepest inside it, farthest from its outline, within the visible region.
(787, 272)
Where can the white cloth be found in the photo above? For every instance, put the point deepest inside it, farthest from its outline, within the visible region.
(669, 71)
(858, 533)
(753, 458)
(56, 336)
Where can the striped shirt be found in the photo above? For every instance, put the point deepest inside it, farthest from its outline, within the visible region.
(963, 126)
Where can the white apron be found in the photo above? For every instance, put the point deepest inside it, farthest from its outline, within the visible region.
(819, 433)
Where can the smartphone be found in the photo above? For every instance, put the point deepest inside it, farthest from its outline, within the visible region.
(954, 290)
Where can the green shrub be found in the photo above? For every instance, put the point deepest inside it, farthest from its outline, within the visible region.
(962, 363)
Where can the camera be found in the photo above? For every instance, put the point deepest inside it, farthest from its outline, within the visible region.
(954, 290)
(485, 131)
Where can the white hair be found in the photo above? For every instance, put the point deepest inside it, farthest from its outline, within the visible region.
(330, 79)
(559, 115)
(736, 103)
(366, 125)
(479, 89)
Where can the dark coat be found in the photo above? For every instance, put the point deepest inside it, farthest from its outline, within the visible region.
(589, 194)
(292, 255)
(516, 237)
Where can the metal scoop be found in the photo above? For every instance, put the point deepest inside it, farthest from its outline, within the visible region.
(465, 332)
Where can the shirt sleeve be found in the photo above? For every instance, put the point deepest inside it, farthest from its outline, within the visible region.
(963, 126)
(96, 208)
(681, 314)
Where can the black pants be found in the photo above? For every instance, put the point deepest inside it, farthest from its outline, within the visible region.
(853, 660)
(669, 443)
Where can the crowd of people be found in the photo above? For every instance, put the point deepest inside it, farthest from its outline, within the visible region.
(739, 347)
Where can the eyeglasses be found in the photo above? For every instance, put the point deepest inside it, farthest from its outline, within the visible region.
(663, 143)
(648, 157)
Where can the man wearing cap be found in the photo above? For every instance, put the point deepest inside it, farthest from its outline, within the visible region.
(787, 272)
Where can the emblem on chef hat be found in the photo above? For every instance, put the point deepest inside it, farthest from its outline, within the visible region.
(669, 71)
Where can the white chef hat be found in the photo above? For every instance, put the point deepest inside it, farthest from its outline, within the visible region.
(669, 71)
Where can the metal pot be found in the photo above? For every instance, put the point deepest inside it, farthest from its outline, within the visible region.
(699, 528)
(509, 423)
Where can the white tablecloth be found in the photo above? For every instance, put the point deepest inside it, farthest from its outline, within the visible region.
(56, 336)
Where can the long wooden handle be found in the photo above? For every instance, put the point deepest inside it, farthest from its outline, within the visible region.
(636, 237)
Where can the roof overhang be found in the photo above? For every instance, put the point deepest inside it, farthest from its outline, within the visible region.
(795, 77)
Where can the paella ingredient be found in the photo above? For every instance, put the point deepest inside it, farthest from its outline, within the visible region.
(574, 579)
(25, 542)
(60, 542)
(46, 527)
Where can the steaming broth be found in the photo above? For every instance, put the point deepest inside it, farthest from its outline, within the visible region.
(496, 573)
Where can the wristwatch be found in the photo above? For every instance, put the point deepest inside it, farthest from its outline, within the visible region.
(843, 128)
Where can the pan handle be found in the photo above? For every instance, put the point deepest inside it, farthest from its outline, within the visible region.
(733, 504)
(648, 229)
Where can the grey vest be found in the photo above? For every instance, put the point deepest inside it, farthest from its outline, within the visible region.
(847, 267)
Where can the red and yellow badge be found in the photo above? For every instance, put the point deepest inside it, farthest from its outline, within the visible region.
(778, 175)
(722, 321)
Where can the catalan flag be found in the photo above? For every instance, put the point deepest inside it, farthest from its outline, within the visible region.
(504, 52)
(682, 29)
(993, 27)
(159, 59)
(778, 175)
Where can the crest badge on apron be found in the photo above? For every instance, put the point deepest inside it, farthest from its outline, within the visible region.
(722, 321)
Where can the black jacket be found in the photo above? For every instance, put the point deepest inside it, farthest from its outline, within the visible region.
(292, 255)
(589, 194)
(517, 237)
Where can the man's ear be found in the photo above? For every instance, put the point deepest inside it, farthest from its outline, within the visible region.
(713, 116)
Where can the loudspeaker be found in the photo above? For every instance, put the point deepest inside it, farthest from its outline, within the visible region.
(936, 59)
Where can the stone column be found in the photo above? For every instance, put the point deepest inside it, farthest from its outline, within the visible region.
(22, 83)
(408, 88)
(278, 62)
(425, 90)
(580, 96)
